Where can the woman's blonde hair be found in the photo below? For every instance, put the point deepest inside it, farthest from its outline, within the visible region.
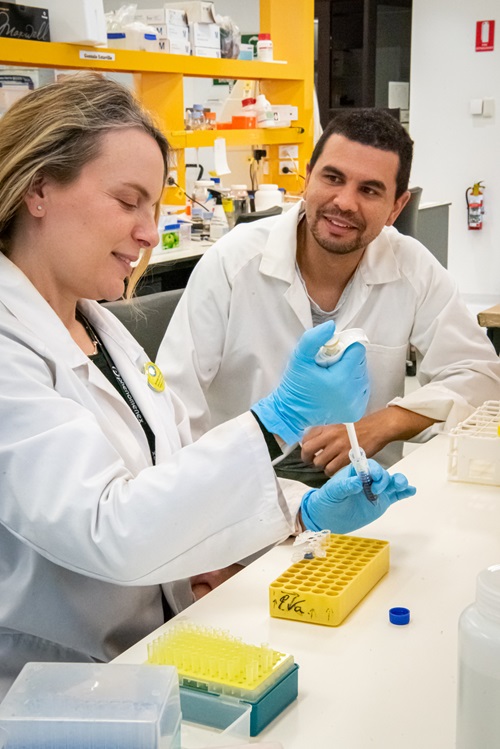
(55, 130)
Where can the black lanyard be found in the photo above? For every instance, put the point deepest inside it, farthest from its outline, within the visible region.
(105, 363)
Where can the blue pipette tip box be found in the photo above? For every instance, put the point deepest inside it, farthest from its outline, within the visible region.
(221, 711)
(60, 705)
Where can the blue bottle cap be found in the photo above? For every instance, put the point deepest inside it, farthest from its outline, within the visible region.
(399, 615)
(116, 35)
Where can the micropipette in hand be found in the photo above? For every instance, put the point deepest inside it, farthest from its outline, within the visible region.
(358, 458)
(327, 355)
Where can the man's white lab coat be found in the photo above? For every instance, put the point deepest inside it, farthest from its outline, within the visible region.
(245, 307)
(89, 530)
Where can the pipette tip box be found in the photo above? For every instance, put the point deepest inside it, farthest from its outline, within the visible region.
(324, 590)
(221, 678)
(60, 705)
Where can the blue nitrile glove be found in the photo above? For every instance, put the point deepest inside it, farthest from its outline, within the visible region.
(309, 395)
(340, 505)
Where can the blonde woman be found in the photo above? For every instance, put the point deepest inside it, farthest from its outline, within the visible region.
(104, 503)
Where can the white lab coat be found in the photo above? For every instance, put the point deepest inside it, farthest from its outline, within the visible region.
(89, 530)
(245, 307)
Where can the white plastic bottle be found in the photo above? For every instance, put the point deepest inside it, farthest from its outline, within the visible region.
(265, 48)
(478, 713)
(265, 116)
(268, 196)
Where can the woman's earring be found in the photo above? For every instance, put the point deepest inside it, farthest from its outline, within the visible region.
(39, 208)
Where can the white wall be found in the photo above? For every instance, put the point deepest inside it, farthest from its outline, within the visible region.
(453, 149)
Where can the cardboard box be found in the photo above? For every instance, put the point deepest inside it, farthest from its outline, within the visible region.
(24, 22)
(172, 32)
(197, 11)
(204, 35)
(174, 47)
(153, 16)
(77, 21)
(206, 52)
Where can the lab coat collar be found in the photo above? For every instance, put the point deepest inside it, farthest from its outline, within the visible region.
(278, 257)
(378, 264)
(26, 304)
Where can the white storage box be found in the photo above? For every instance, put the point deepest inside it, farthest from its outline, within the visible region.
(172, 32)
(474, 452)
(205, 35)
(152, 16)
(206, 52)
(197, 11)
(174, 48)
(89, 705)
(77, 21)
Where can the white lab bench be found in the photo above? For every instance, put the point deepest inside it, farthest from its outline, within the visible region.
(367, 684)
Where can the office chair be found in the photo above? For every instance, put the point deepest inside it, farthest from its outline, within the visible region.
(407, 220)
(246, 218)
(406, 223)
(147, 317)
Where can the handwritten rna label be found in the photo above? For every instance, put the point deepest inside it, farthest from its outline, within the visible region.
(100, 56)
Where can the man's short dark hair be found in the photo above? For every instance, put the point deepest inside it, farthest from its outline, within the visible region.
(376, 128)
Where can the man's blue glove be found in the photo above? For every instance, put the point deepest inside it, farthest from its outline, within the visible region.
(340, 505)
(309, 395)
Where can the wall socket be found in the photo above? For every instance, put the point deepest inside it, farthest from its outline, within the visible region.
(288, 152)
(287, 166)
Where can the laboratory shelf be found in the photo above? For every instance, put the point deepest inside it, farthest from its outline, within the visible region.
(57, 55)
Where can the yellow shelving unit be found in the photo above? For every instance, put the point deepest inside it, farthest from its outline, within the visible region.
(158, 80)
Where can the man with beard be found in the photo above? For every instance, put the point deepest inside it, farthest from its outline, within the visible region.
(333, 256)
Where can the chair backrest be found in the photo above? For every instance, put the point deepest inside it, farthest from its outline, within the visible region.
(406, 222)
(246, 218)
(147, 317)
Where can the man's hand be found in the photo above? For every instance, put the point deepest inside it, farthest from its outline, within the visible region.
(328, 447)
(207, 581)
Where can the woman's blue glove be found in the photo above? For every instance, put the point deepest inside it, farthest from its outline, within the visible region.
(309, 395)
(340, 505)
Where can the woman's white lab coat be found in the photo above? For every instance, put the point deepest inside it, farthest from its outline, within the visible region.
(89, 530)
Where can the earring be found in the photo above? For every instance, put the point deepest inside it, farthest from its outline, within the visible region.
(39, 208)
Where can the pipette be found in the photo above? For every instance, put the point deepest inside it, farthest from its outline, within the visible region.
(358, 458)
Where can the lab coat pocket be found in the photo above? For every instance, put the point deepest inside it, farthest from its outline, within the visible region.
(387, 370)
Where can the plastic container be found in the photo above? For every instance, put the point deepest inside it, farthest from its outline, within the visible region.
(201, 210)
(170, 236)
(265, 48)
(117, 40)
(249, 111)
(478, 716)
(268, 196)
(184, 234)
(210, 120)
(219, 224)
(241, 201)
(265, 116)
(91, 705)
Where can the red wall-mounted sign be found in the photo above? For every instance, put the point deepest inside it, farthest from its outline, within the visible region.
(485, 36)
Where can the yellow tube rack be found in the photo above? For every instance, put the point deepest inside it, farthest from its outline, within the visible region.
(325, 590)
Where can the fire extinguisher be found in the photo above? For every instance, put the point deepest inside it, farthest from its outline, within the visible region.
(475, 206)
